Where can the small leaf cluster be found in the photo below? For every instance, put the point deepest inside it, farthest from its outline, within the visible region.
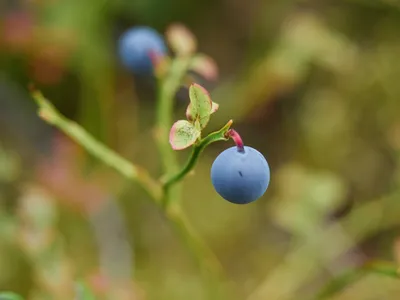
(185, 133)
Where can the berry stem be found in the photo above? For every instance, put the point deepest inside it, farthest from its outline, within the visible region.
(220, 135)
(168, 86)
(234, 135)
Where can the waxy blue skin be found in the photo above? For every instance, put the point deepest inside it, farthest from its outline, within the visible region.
(135, 46)
(240, 177)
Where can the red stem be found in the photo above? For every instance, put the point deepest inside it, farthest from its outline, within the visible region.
(232, 133)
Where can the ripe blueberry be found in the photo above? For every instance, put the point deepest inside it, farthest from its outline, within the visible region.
(240, 177)
(137, 45)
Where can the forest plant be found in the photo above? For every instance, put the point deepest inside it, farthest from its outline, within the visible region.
(170, 74)
(240, 174)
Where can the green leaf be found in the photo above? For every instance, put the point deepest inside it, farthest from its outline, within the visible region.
(10, 296)
(183, 134)
(200, 107)
(214, 108)
(220, 135)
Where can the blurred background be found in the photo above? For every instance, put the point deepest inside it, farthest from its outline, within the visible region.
(313, 85)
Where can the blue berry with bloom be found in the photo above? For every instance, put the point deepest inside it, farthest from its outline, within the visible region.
(240, 174)
(136, 48)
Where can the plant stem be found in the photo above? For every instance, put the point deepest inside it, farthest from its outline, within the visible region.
(339, 283)
(220, 135)
(169, 85)
(205, 259)
(135, 173)
(232, 133)
(333, 241)
(203, 256)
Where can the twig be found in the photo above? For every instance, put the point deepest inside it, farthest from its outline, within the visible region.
(339, 283)
(286, 279)
(168, 86)
(204, 257)
(220, 135)
(135, 173)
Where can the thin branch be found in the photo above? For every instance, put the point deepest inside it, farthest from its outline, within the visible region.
(205, 258)
(220, 135)
(201, 253)
(134, 173)
(287, 278)
(339, 283)
(168, 87)
(212, 270)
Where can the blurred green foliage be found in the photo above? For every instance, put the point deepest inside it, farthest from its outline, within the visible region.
(311, 84)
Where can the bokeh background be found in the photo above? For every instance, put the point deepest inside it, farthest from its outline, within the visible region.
(313, 85)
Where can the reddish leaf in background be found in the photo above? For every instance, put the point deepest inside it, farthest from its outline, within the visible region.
(47, 65)
(17, 33)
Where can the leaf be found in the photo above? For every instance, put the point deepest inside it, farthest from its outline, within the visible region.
(181, 40)
(214, 108)
(183, 134)
(205, 66)
(200, 107)
(10, 296)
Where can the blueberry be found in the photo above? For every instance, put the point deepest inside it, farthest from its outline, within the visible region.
(240, 177)
(135, 47)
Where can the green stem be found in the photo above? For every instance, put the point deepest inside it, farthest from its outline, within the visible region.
(135, 173)
(339, 283)
(169, 86)
(204, 257)
(220, 135)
